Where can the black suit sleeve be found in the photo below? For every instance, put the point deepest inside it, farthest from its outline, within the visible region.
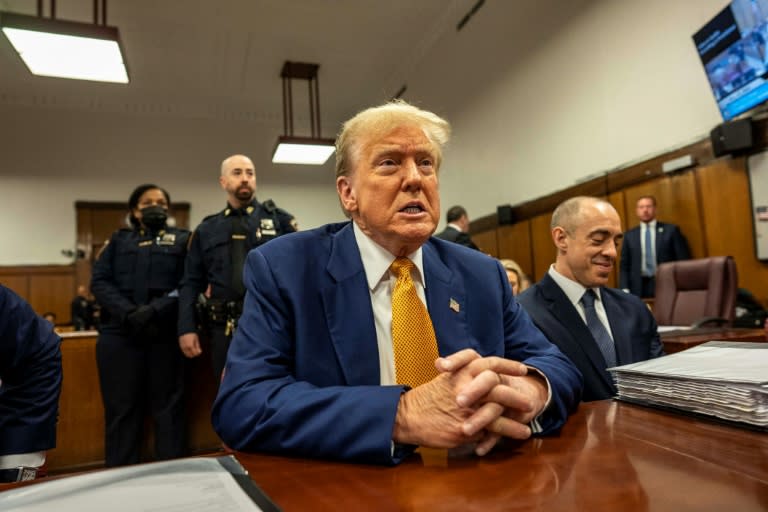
(30, 365)
(680, 245)
(464, 239)
(625, 263)
(192, 284)
(103, 284)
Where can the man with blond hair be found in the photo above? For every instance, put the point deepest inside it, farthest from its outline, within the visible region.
(364, 339)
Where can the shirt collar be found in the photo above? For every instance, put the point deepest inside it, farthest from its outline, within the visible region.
(229, 209)
(455, 226)
(573, 290)
(650, 225)
(376, 259)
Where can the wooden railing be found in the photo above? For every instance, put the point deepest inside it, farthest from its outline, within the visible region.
(80, 432)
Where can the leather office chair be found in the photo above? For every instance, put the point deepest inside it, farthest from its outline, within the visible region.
(696, 292)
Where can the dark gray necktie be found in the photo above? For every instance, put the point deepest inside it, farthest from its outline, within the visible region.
(650, 259)
(598, 330)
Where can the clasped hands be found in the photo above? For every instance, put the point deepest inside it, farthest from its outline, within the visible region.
(473, 400)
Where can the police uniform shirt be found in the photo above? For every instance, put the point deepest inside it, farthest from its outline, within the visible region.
(136, 266)
(209, 259)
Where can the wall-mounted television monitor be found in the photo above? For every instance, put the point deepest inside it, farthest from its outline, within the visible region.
(733, 47)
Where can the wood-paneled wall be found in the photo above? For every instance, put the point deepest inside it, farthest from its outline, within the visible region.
(515, 243)
(45, 287)
(52, 287)
(486, 241)
(710, 202)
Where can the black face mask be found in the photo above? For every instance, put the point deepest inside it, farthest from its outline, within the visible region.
(154, 217)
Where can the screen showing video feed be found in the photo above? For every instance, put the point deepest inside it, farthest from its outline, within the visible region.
(734, 50)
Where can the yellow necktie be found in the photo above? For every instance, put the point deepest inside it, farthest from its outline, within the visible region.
(413, 336)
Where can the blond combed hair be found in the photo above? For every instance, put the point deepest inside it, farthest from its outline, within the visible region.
(382, 120)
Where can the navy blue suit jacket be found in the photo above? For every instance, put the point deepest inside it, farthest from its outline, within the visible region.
(302, 374)
(632, 325)
(670, 246)
(30, 371)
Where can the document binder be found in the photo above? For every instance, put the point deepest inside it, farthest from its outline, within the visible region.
(721, 379)
(200, 483)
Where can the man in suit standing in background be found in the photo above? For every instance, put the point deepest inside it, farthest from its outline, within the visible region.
(457, 229)
(595, 326)
(646, 246)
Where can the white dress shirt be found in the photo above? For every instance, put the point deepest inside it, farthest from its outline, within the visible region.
(574, 291)
(381, 282)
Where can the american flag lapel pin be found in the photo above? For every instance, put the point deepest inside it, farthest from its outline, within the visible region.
(454, 305)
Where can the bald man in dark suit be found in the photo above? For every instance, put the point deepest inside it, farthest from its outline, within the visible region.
(595, 326)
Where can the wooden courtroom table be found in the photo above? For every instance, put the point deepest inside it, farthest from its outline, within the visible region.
(675, 341)
(609, 456)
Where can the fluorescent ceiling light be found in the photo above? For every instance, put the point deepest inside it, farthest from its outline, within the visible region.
(312, 150)
(302, 150)
(66, 49)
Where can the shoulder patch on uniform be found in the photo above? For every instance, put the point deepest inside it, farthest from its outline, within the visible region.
(269, 205)
(283, 212)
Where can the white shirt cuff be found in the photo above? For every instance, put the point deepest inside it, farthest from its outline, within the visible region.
(34, 460)
(535, 425)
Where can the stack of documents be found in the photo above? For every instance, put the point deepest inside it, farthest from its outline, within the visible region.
(728, 380)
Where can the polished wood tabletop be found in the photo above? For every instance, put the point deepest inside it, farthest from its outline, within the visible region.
(609, 456)
(675, 341)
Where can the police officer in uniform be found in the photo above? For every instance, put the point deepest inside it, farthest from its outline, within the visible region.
(212, 291)
(135, 280)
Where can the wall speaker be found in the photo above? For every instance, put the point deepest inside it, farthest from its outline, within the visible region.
(504, 213)
(732, 136)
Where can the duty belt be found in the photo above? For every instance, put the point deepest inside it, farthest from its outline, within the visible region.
(224, 312)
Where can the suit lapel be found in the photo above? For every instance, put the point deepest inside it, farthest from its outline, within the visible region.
(561, 308)
(446, 302)
(637, 247)
(619, 329)
(662, 239)
(347, 306)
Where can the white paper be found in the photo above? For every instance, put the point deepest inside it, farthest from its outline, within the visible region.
(182, 485)
(727, 380)
(661, 329)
